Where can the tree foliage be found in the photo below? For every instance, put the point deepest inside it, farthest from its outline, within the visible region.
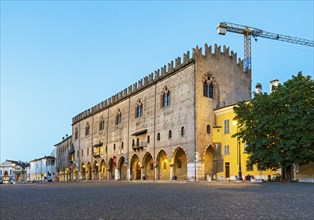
(279, 127)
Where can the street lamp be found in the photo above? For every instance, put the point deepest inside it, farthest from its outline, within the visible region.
(235, 123)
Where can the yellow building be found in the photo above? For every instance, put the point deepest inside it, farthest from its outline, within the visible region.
(229, 146)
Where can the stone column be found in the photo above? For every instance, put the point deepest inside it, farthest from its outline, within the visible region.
(116, 174)
(142, 172)
(128, 174)
(155, 170)
(171, 170)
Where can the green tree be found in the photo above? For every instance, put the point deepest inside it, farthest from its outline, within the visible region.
(279, 127)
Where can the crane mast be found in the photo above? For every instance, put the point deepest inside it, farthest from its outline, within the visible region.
(248, 32)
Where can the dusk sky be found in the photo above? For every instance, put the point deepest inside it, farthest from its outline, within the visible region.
(59, 58)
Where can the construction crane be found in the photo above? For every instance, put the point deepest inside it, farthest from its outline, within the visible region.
(248, 32)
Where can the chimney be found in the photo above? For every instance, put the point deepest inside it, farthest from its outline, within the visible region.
(275, 83)
(258, 88)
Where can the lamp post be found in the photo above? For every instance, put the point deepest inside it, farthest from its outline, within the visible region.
(239, 153)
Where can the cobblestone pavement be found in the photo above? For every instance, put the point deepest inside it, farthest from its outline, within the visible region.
(161, 200)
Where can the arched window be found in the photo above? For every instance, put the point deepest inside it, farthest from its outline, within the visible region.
(119, 117)
(158, 136)
(133, 143)
(101, 124)
(137, 142)
(87, 128)
(114, 146)
(170, 134)
(208, 128)
(208, 86)
(121, 145)
(76, 134)
(166, 96)
(182, 131)
(139, 109)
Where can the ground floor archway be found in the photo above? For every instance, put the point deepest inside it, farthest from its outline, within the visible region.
(89, 171)
(163, 168)
(122, 168)
(111, 170)
(209, 157)
(179, 164)
(103, 170)
(95, 170)
(135, 168)
(148, 165)
(83, 172)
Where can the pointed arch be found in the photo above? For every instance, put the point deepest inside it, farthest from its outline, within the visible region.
(111, 169)
(122, 168)
(165, 97)
(179, 160)
(209, 162)
(135, 167)
(163, 166)
(83, 171)
(139, 109)
(96, 170)
(148, 166)
(210, 86)
(89, 171)
(87, 129)
(103, 170)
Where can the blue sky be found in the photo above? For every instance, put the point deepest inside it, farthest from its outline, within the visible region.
(61, 58)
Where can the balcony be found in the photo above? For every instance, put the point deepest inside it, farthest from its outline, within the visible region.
(139, 146)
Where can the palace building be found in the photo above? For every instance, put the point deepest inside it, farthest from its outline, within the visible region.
(163, 126)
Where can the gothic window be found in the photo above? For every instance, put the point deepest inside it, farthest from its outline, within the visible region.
(119, 117)
(166, 95)
(101, 124)
(87, 128)
(139, 109)
(76, 134)
(208, 87)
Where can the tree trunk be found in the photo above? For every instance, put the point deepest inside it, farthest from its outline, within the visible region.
(286, 174)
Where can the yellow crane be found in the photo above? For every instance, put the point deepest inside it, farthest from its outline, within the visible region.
(248, 32)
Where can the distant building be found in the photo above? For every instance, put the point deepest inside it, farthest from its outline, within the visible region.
(65, 155)
(303, 173)
(43, 169)
(13, 170)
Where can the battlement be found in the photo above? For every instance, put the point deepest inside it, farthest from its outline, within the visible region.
(159, 74)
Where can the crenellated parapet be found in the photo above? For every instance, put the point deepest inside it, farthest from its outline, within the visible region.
(159, 74)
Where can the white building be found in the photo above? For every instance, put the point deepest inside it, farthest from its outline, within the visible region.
(43, 169)
(13, 170)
